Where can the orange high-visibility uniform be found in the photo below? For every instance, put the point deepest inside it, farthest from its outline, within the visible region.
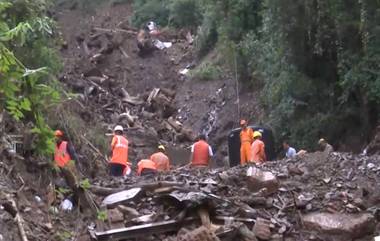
(119, 146)
(201, 154)
(246, 140)
(61, 154)
(258, 152)
(161, 160)
(145, 164)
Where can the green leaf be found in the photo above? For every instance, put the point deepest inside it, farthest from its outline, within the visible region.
(25, 104)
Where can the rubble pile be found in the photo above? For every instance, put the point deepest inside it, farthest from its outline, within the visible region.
(318, 197)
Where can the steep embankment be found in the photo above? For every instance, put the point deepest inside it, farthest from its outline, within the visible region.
(102, 65)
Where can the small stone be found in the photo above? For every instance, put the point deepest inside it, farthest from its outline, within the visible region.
(115, 216)
(262, 229)
(48, 227)
(199, 234)
(277, 237)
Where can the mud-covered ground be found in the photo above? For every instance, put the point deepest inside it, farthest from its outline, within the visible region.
(101, 64)
(203, 106)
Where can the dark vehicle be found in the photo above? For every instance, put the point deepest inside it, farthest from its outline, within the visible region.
(234, 144)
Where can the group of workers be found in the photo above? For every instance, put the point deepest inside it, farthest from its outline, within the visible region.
(252, 151)
(201, 153)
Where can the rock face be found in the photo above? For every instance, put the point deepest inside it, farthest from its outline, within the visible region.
(258, 180)
(352, 226)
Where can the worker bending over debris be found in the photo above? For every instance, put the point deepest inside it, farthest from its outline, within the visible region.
(201, 153)
(160, 159)
(325, 146)
(146, 167)
(119, 164)
(246, 140)
(258, 149)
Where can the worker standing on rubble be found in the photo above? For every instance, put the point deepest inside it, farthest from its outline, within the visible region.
(258, 149)
(146, 167)
(246, 140)
(64, 151)
(65, 159)
(290, 152)
(325, 146)
(119, 164)
(201, 153)
(162, 161)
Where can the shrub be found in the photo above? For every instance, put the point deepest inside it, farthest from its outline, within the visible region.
(185, 13)
(206, 71)
(152, 10)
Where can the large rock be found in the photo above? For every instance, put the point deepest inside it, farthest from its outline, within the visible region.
(352, 226)
(260, 180)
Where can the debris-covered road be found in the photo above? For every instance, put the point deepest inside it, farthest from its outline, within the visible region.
(317, 197)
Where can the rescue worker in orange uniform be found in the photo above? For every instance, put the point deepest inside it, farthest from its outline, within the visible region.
(162, 161)
(146, 167)
(201, 153)
(246, 140)
(258, 149)
(119, 164)
(64, 151)
(66, 159)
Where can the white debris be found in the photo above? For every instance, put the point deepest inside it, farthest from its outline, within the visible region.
(66, 205)
(162, 45)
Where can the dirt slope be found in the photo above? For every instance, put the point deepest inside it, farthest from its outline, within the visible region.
(203, 106)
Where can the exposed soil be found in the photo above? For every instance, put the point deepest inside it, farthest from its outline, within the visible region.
(100, 66)
(203, 106)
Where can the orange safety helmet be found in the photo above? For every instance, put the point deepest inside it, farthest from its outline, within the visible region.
(58, 133)
(243, 122)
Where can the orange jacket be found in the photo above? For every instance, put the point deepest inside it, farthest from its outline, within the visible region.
(258, 151)
(161, 160)
(246, 136)
(61, 154)
(119, 147)
(201, 154)
(145, 164)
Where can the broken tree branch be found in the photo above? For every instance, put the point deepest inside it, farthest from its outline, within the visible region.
(116, 30)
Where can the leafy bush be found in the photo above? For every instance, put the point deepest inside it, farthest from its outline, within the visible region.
(27, 90)
(152, 10)
(185, 13)
(206, 71)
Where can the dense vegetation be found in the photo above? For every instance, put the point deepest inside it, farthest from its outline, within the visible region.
(28, 62)
(316, 62)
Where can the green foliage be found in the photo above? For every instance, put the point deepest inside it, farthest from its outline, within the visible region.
(85, 184)
(185, 13)
(102, 215)
(26, 91)
(173, 13)
(150, 10)
(63, 235)
(206, 71)
(316, 62)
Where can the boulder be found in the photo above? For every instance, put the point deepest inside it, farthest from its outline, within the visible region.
(349, 225)
(258, 180)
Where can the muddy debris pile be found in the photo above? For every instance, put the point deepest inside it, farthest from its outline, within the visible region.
(318, 197)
